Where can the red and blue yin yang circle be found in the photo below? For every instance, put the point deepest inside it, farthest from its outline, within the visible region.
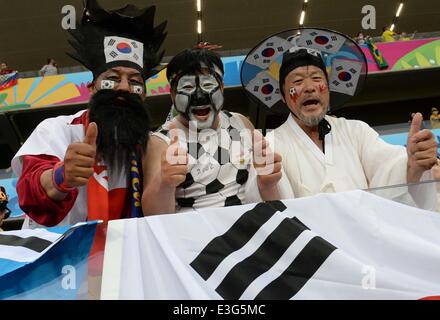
(322, 40)
(344, 76)
(268, 52)
(267, 89)
(124, 47)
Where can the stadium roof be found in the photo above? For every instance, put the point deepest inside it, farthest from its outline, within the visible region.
(30, 32)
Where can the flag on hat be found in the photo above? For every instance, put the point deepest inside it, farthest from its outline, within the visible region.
(123, 37)
(270, 49)
(325, 49)
(344, 76)
(265, 88)
(321, 40)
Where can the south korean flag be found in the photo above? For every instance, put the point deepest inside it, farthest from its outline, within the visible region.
(107, 84)
(344, 76)
(265, 88)
(321, 40)
(123, 49)
(266, 53)
(345, 245)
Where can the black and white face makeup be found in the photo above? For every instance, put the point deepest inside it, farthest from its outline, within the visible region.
(199, 98)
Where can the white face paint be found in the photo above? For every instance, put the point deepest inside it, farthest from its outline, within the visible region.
(187, 84)
(205, 124)
(208, 82)
(199, 98)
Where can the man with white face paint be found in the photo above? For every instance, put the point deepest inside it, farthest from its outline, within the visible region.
(327, 154)
(205, 157)
(199, 98)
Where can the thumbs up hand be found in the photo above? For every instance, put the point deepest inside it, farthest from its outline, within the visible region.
(266, 162)
(174, 162)
(91, 134)
(421, 148)
(80, 158)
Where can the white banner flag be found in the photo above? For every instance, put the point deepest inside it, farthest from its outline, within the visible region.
(351, 245)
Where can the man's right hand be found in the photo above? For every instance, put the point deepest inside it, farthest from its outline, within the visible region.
(174, 162)
(80, 158)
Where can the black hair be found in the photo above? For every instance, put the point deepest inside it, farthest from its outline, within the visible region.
(189, 62)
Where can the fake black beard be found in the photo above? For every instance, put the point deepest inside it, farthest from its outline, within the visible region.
(123, 126)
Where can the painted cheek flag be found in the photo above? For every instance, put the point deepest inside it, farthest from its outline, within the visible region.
(269, 51)
(377, 55)
(321, 40)
(45, 263)
(265, 88)
(349, 245)
(8, 80)
(344, 76)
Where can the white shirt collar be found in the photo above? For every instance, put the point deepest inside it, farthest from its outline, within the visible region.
(326, 158)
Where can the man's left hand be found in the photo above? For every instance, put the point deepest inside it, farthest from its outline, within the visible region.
(421, 148)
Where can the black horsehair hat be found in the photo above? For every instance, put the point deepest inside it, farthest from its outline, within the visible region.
(267, 65)
(123, 37)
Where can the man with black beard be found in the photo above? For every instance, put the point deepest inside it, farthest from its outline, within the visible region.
(87, 166)
(122, 118)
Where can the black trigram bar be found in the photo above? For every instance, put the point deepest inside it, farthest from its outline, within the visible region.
(303, 267)
(234, 238)
(245, 272)
(32, 243)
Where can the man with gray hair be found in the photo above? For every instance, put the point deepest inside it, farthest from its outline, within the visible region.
(327, 154)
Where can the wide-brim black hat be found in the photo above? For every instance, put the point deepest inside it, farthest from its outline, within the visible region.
(337, 54)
